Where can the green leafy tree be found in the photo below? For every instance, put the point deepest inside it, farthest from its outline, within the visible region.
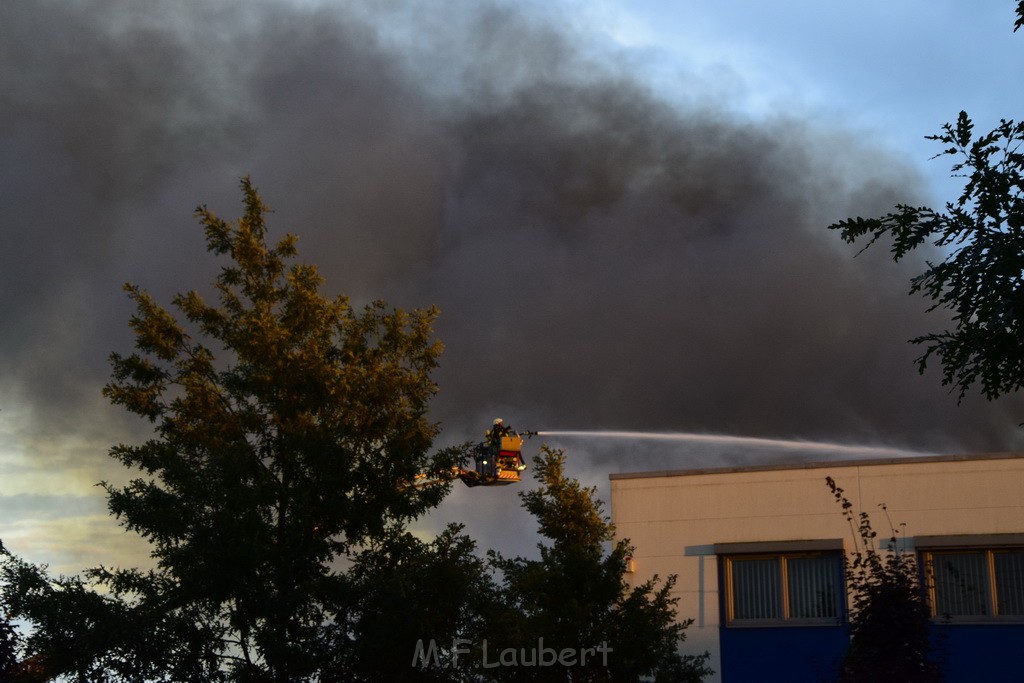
(289, 433)
(979, 281)
(889, 617)
(981, 236)
(416, 599)
(576, 596)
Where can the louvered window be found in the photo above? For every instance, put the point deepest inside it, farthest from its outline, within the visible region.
(976, 583)
(783, 587)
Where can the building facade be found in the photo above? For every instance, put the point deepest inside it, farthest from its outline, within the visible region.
(758, 552)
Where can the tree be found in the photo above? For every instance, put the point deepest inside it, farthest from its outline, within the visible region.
(289, 430)
(981, 279)
(575, 597)
(90, 635)
(10, 639)
(889, 616)
(417, 599)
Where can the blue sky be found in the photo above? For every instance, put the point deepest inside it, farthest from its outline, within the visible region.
(894, 71)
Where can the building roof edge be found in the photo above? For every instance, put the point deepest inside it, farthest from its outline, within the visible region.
(819, 464)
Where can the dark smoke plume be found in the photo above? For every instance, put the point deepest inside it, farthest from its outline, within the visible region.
(603, 256)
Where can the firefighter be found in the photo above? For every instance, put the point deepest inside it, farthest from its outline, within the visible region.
(495, 433)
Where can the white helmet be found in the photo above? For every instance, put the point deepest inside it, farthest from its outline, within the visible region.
(498, 421)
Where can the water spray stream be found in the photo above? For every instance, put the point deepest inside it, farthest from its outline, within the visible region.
(744, 441)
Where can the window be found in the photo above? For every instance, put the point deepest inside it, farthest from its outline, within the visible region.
(976, 583)
(783, 588)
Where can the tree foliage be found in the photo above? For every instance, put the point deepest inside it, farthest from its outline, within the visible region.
(289, 431)
(414, 592)
(980, 280)
(889, 616)
(10, 639)
(289, 435)
(102, 635)
(576, 595)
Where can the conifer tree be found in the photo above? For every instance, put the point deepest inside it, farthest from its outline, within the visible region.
(576, 596)
(289, 431)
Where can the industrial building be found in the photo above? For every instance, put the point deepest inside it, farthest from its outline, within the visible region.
(758, 552)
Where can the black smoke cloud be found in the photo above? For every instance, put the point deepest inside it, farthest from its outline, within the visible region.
(603, 256)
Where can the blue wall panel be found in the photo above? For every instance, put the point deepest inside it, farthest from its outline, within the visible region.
(966, 652)
(791, 654)
(980, 652)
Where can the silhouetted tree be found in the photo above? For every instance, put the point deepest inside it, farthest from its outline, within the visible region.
(289, 431)
(981, 279)
(416, 599)
(118, 634)
(10, 640)
(889, 616)
(576, 597)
